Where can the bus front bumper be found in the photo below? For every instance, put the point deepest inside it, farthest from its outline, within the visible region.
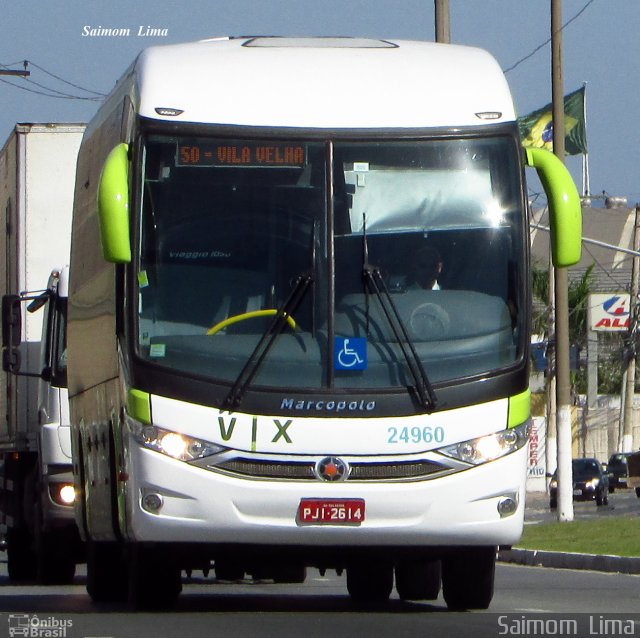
(172, 501)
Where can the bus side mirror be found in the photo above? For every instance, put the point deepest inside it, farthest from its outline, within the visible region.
(565, 211)
(11, 329)
(113, 206)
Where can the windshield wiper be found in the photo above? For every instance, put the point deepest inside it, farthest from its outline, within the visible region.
(251, 367)
(375, 282)
(423, 388)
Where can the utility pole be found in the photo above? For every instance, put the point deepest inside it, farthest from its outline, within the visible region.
(626, 444)
(552, 430)
(443, 25)
(563, 388)
(24, 74)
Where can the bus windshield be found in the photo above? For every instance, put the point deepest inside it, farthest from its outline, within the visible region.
(229, 227)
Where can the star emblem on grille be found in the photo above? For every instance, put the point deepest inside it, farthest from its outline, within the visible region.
(332, 468)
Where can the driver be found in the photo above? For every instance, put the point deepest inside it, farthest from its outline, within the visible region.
(425, 270)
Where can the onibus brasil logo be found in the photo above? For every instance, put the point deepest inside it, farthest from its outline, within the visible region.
(32, 626)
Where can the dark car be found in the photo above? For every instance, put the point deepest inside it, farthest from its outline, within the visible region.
(590, 482)
(618, 470)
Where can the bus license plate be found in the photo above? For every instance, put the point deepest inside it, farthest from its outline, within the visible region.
(314, 511)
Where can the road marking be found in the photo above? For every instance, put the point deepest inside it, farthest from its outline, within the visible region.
(534, 611)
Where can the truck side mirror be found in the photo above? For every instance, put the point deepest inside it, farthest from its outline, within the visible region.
(11, 333)
(11, 320)
(113, 206)
(11, 360)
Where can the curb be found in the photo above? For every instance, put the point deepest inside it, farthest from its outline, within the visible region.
(566, 560)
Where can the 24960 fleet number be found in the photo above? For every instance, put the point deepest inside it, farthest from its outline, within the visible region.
(416, 434)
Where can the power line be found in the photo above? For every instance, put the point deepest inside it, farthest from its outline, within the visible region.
(56, 92)
(53, 75)
(47, 90)
(53, 95)
(544, 44)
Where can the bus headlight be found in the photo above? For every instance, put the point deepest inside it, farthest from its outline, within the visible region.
(490, 447)
(173, 444)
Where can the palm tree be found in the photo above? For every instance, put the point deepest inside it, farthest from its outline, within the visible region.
(578, 294)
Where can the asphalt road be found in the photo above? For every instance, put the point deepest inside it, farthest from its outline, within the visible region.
(321, 608)
(527, 601)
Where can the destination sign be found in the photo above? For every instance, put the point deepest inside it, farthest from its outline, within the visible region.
(249, 154)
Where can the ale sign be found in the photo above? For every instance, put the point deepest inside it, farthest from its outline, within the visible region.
(609, 312)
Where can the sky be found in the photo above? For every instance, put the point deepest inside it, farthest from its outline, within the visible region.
(601, 48)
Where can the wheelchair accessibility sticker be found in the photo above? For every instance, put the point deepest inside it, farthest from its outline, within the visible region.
(350, 353)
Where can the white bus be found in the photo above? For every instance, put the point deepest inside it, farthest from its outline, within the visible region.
(262, 376)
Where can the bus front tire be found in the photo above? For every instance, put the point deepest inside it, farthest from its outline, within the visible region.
(154, 577)
(369, 582)
(468, 577)
(418, 579)
(106, 572)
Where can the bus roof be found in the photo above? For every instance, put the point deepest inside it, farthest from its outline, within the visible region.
(333, 83)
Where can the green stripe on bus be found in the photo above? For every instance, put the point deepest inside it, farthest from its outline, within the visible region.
(519, 409)
(139, 405)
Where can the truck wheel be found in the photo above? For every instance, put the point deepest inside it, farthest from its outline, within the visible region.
(106, 572)
(21, 559)
(370, 582)
(154, 577)
(468, 576)
(55, 552)
(418, 579)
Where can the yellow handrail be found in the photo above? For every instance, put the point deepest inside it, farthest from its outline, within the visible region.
(248, 315)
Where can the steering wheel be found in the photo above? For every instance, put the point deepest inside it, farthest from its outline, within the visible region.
(269, 312)
(429, 322)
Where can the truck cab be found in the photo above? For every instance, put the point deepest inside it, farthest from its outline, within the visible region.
(42, 537)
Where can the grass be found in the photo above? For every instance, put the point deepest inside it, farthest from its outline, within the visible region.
(616, 536)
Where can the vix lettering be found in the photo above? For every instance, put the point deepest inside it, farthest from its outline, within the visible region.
(616, 308)
(280, 434)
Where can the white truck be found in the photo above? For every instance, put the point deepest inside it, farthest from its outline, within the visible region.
(37, 172)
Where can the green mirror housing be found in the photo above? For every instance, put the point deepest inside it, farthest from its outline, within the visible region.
(565, 210)
(113, 206)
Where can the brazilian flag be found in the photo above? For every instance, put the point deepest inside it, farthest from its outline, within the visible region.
(536, 129)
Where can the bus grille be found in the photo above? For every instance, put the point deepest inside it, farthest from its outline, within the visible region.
(359, 471)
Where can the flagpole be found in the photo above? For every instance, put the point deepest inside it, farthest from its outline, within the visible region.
(586, 185)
